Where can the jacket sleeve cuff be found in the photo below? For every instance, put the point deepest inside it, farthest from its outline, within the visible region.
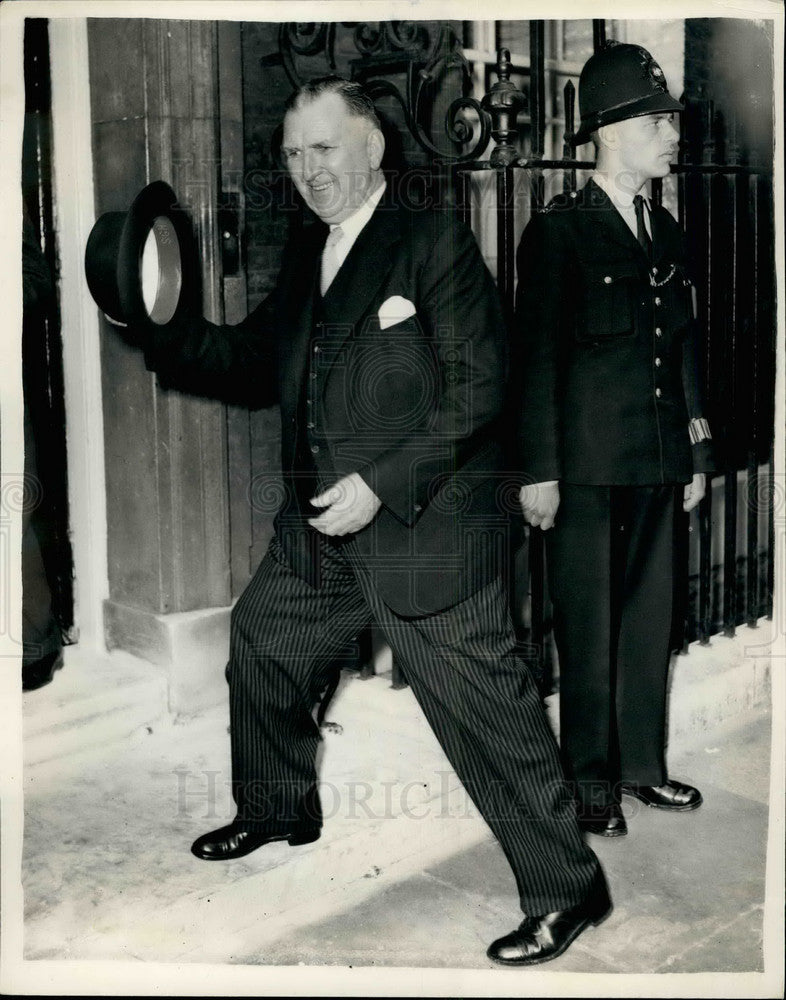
(396, 497)
(704, 459)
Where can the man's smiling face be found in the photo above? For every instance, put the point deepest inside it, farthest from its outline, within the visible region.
(333, 156)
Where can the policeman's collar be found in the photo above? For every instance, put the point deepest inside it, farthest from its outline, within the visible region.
(619, 193)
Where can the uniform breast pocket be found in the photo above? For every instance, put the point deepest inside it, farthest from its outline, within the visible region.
(608, 301)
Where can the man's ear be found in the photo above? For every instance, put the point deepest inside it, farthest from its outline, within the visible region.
(375, 148)
(608, 137)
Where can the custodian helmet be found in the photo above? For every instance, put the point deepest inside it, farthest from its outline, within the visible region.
(620, 81)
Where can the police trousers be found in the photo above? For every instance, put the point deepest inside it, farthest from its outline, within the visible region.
(611, 557)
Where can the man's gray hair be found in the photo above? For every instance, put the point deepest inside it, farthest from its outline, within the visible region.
(354, 96)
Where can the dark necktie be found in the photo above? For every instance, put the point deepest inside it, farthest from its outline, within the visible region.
(641, 230)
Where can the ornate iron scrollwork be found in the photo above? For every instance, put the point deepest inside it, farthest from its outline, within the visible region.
(367, 38)
(426, 52)
(305, 38)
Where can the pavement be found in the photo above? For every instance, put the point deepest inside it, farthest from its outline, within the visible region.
(405, 878)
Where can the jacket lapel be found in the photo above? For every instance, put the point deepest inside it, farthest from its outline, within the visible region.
(604, 214)
(365, 268)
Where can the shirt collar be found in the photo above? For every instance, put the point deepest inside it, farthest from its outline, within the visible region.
(352, 226)
(620, 198)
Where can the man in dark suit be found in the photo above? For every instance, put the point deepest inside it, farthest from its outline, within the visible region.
(612, 436)
(384, 344)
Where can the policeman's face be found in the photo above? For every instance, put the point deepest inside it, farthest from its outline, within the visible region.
(333, 156)
(647, 145)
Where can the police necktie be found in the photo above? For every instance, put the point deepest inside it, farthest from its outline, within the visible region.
(330, 263)
(641, 230)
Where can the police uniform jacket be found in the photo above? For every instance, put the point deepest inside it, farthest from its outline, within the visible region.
(398, 374)
(605, 355)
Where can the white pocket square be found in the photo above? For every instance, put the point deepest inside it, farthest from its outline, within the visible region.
(395, 310)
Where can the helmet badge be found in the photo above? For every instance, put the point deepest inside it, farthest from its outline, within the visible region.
(653, 72)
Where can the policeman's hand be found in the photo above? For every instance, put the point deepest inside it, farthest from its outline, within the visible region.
(539, 503)
(694, 491)
(351, 505)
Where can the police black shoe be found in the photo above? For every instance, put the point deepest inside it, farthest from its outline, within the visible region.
(231, 841)
(674, 795)
(540, 939)
(610, 822)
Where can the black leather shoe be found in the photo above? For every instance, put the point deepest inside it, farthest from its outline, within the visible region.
(35, 675)
(539, 939)
(610, 824)
(230, 842)
(673, 795)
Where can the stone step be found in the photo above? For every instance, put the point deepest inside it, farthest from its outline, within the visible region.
(730, 676)
(95, 699)
(92, 700)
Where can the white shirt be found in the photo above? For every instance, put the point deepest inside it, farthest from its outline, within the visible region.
(352, 227)
(622, 200)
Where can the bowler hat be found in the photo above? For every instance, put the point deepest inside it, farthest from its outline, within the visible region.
(139, 264)
(620, 81)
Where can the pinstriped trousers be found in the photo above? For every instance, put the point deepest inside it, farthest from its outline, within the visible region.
(476, 694)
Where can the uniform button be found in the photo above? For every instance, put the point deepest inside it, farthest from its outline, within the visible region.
(658, 362)
(417, 508)
(657, 300)
(657, 393)
(607, 279)
(316, 348)
(658, 332)
(313, 375)
(654, 270)
(311, 425)
(315, 447)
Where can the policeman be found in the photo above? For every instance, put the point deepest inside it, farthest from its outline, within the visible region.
(611, 435)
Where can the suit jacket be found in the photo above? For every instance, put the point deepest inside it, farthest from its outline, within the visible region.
(412, 407)
(605, 355)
